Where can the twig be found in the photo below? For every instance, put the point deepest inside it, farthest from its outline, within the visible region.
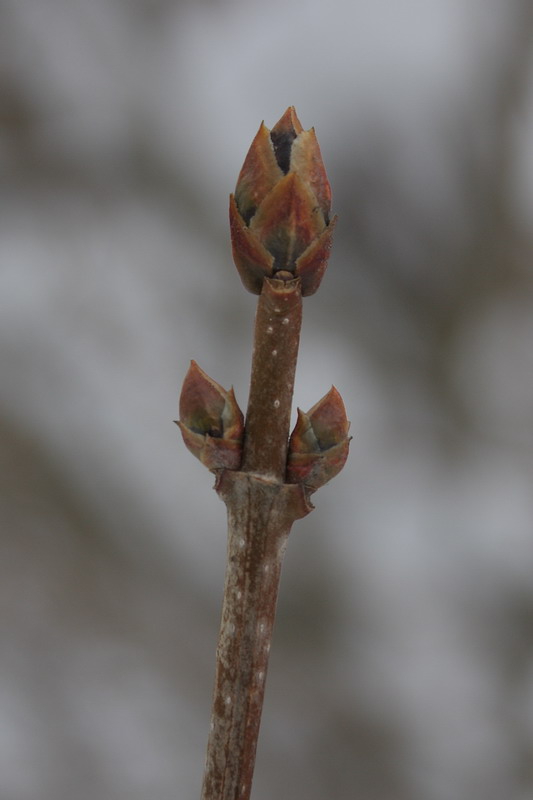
(281, 235)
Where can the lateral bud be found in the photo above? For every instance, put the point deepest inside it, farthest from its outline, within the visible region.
(318, 447)
(211, 422)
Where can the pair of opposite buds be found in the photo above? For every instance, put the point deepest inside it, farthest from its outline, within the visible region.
(280, 228)
(212, 426)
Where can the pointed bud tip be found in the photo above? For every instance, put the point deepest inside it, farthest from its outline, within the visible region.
(201, 398)
(288, 122)
(329, 421)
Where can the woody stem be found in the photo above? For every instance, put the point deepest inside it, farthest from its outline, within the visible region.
(261, 510)
(277, 336)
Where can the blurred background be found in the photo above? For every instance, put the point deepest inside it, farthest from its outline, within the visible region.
(402, 665)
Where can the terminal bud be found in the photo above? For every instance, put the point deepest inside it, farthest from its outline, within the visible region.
(280, 212)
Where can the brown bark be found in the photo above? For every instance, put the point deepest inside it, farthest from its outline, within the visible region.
(261, 510)
(277, 336)
(260, 515)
